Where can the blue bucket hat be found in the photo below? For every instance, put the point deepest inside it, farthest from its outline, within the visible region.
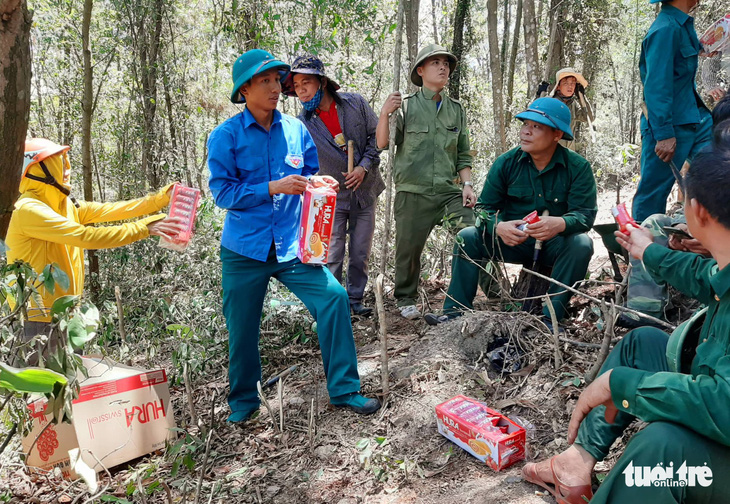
(550, 112)
(252, 63)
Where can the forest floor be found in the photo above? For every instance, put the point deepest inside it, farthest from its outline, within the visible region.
(327, 455)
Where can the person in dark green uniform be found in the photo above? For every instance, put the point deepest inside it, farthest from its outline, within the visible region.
(686, 409)
(676, 124)
(432, 140)
(539, 175)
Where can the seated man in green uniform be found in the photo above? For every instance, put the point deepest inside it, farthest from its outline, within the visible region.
(689, 421)
(433, 151)
(539, 175)
(644, 294)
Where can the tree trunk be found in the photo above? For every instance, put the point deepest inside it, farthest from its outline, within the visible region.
(554, 59)
(505, 34)
(87, 101)
(15, 72)
(385, 245)
(149, 56)
(433, 19)
(531, 58)
(462, 11)
(411, 16)
(512, 62)
(496, 67)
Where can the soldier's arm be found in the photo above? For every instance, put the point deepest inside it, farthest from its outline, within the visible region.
(660, 46)
(687, 272)
(695, 402)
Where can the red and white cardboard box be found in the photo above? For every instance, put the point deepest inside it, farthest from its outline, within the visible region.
(121, 413)
(318, 216)
(485, 433)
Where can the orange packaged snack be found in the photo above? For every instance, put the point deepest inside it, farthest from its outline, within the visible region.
(485, 433)
(317, 219)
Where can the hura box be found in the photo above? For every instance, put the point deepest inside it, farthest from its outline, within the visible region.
(318, 216)
(121, 413)
(485, 433)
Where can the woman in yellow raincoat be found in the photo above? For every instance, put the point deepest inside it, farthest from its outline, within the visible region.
(48, 226)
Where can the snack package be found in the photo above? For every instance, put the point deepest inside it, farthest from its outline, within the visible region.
(623, 217)
(485, 433)
(717, 36)
(183, 205)
(530, 218)
(318, 216)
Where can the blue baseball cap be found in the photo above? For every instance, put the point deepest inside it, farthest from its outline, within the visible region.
(252, 63)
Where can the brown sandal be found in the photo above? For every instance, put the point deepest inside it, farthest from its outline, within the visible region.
(563, 494)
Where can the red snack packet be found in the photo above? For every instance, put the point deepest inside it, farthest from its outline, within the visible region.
(184, 206)
(318, 216)
(623, 218)
(488, 435)
(530, 218)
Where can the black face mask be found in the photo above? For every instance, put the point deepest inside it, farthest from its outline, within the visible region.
(50, 180)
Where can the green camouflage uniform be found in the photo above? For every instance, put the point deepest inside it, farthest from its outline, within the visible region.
(644, 293)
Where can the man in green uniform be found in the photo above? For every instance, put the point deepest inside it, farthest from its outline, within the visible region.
(676, 124)
(432, 142)
(538, 175)
(689, 422)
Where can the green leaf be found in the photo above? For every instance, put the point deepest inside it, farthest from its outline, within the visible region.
(112, 498)
(48, 282)
(380, 440)
(29, 380)
(362, 444)
(60, 277)
(77, 333)
(576, 381)
(63, 303)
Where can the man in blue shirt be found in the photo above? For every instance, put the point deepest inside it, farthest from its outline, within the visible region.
(259, 163)
(676, 124)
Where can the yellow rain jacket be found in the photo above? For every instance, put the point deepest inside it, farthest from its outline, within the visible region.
(46, 227)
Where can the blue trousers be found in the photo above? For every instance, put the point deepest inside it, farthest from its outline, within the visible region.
(656, 176)
(245, 282)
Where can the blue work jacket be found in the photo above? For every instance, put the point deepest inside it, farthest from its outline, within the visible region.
(243, 158)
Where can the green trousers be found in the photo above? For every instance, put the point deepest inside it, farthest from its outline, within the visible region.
(644, 294)
(415, 216)
(658, 443)
(568, 255)
(245, 282)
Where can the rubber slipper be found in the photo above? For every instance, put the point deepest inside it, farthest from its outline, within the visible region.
(579, 494)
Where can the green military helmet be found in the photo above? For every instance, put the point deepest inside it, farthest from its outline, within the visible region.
(682, 345)
(550, 112)
(252, 63)
(427, 52)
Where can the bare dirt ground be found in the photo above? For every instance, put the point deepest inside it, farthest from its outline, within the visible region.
(325, 455)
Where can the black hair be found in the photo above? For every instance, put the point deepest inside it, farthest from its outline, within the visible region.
(721, 134)
(721, 110)
(709, 182)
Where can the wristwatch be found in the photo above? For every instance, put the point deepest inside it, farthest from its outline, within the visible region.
(467, 183)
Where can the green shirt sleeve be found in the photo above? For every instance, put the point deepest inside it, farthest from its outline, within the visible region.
(582, 200)
(464, 159)
(493, 196)
(696, 402)
(688, 272)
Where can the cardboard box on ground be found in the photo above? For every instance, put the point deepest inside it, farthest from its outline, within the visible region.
(121, 413)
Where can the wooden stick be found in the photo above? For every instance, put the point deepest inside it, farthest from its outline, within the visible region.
(189, 393)
(267, 406)
(598, 301)
(383, 334)
(391, 145)
(609, 316)
(350, 156)
(556, 332)
(120, 313)
(280, 394)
